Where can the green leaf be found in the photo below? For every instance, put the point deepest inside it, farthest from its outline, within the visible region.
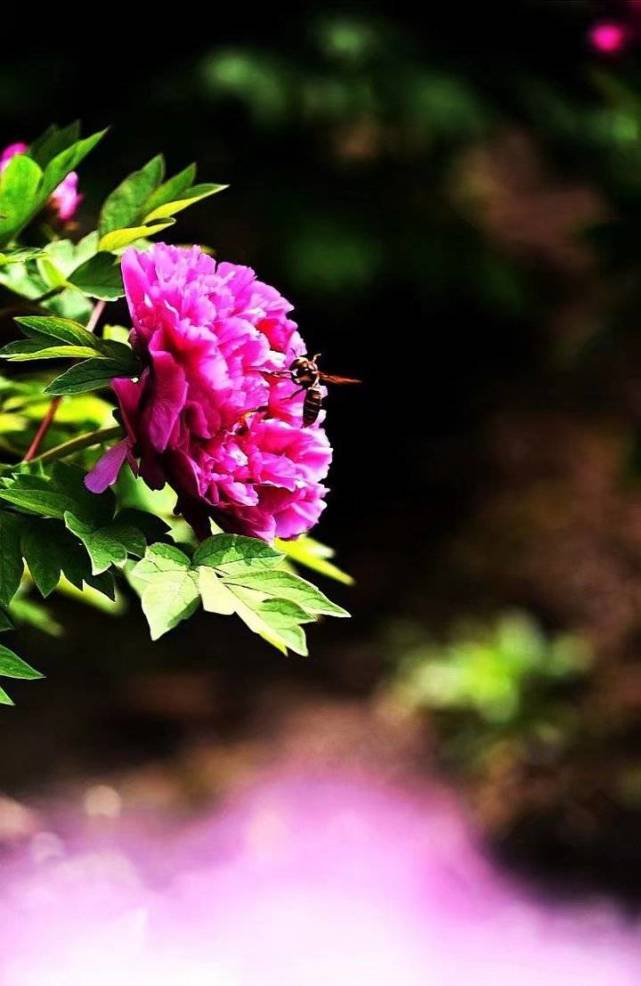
(25, 346)
(168, 600)
(92, 374)
(314, 555)
(20, 255)
(216, 597)
(50, 550)
(6, 623)
(116, 333)
(189, 197)
(52, 496)
(11, 565)
(49, 352)
(99, 277)
(4, 698)
(19, 194)
(152, 527)
(169, 588)
(64, 329)
(285, 585)
(59, 166)
(53, 141)
(159, 558)
(109, 544)
(46, 548)
(46, 502)
(251, 611)
(233, 554)
(173, 188)
(125, 206)
(92, 507)
(12, 666)
(117, 239)
(50, 273)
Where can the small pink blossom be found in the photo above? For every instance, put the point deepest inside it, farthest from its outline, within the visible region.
(608, 37)
(11, 151)
(64, 199)
(215, 413)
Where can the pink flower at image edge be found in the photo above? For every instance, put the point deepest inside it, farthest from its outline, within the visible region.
(215, 413)
(64, 199)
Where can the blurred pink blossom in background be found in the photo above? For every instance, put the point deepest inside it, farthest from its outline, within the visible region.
(608, 37)
(65, 199)
(301, 880)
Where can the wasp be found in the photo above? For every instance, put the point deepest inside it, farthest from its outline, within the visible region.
(304, 371)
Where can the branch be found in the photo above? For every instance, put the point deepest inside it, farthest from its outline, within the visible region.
(77, 444)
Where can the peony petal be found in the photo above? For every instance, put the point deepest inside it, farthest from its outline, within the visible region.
(106, 470)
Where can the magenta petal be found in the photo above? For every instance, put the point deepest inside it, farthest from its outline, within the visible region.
(169, 394)
(105, 472)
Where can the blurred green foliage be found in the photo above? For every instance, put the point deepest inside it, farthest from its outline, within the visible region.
(491, 672)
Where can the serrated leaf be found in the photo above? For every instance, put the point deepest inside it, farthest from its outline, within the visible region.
(109, 544)
(248, 608)
(168, 586)
(189, 197)
(11, 565)
(46, 548)
(20, 183)
(117, 239)
(64, 329)
(168, 600)
(124, 207)
(92, 374)
(285, 585)
(99, 277)
(12, 666)
(234, 554)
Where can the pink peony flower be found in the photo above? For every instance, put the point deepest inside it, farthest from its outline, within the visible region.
(64, 199)
(214, 413)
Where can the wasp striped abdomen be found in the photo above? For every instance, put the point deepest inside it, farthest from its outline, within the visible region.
(305, 374)
(312, 405)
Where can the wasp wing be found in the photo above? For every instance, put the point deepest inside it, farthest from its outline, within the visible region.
(330, 378)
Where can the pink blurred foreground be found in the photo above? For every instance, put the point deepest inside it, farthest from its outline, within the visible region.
(303, 880)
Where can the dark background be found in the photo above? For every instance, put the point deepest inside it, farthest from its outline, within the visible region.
(450, 202)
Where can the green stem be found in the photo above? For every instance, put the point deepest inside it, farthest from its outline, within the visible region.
(77, 444)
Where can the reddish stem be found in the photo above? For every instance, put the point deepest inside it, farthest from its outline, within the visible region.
(43, 428)
(47, 421)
